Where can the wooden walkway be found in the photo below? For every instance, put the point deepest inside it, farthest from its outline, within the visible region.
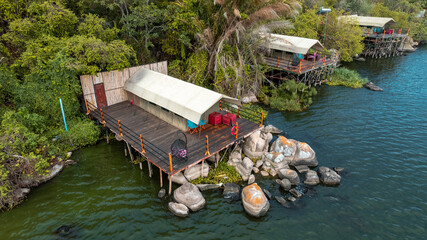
(159, 135)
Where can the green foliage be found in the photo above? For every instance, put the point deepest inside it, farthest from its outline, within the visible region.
(289, 96)
(193, 70)
(306, 24)
(42, 89)
(400, 17)
(222, 174)
(8, 83)
(346, 77)
(81, 132)
(96, 27)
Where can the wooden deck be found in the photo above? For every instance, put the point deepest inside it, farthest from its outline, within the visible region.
(159, 135)
(306, 65)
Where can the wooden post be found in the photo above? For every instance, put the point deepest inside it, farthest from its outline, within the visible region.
(102, 117)
(400, 32)
(407, 33)
(142, 143)
(140, 163)
(126, 151)
(314, 61)
(207, 146)
(170, 184)
(237, 130)
(216, 159)
(149, 168)
(161, 178)
(299, 69)
(130, 152)
(203, 164)
(220, 105)
(108, 135)
(262, 119)
(239, 112)
(170, 163)
(120, 128)
(278, 60)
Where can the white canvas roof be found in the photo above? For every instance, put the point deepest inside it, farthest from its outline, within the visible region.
(292, 44)
(183, 98)
(368, 21)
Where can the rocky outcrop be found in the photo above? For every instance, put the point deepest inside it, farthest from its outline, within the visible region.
(304, 156)
(195, 171)
(249, 98)
(231, 191)
(372, 86)
(289, 174)
(254, 201)
(179, 178)
(245, 168)
(178, 209)
(328, 176)
(256, 144)
(311, 178)
(189, 195)
(271, 129)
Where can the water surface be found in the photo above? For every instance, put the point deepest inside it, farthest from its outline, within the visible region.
(378, 137)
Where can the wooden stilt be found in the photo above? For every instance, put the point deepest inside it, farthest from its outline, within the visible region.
(149, 168)
(161, 178)
(140, 165)
(217, 159)
(126, 151)
(108, 135)
(130, 152)
(170, 184)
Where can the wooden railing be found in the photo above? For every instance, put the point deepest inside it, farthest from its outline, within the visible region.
(241, 112)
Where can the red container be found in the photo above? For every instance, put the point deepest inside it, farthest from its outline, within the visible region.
(229, 119)
(215, 118)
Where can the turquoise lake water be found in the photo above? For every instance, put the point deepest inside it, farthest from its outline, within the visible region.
(380, 138)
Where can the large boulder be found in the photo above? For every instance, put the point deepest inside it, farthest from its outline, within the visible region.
(179, 178)
(254, 201)
(277, 160)
(178, 209)
(328, 176)
(311, 178)
(232, 191)
(304, 156)
(287, 147)
(195, 171)
(189, 195)
(289, 174)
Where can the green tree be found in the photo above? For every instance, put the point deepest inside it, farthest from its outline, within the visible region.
(94, 26)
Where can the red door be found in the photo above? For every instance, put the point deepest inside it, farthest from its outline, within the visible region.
(101, 100)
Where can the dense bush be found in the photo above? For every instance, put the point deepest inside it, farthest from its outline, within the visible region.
(289, 96)
(346, 77)
(81, 132)
(224, 173)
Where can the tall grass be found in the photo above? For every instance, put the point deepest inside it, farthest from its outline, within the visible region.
(346, 77)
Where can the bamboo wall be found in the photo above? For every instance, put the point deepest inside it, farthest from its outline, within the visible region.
(114, 82)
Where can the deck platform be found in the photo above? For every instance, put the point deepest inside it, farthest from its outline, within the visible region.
(158, 135)
(304, 67)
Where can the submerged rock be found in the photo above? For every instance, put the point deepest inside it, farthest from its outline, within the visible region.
(178, 209)
(204, 187)
(328, 177)
(189, 195)
(161, 193)
(338, 170)
(254, 201)
(285, 184)
(231, 191)
(311, 178)
(289, 174)
(296, 193)
(267, 193)
(281, 200)
(372, 86)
